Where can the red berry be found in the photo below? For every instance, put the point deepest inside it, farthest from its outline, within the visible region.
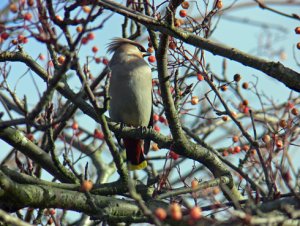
(200, 77)
(237, 149)
(216, 190)
(25, 40)
(194, 100)
(245, 85)
(279, 143)
(156, 128)
(289, 105)
(219, 4)
(155, 117)
(245, 147)
(185, 5)
(162, 119)
(224, 118)
(105, 61)
(225, 153)
(194, 183)
(41, 57)
(150, 50)
(155, 147)
(237, 77)
(234, 114)
(176, 216)
(246, 110)
(172, 45)
(91, 36)
(95, 49)
(50, 63)
(98, 134)
(182, 13)
(21, 38)
(282, 123)
(160, 213)
(13, 8)
(86, 185)
(59, 18)
(297, 30)
(75, 126)
(235, 139)
(298, 45)
(224, 88)
(30, 3)
(295, 111)
(84, 40)
(79, 29)
(50, 221)
(245, 102)
(266, 138)
(175, 207)
(4, 35)
(151, 59)
(27, 16)
(86, 9)
(98, 60)
(173, 155)
(195, 213)
(230, 150)
(61, 59)
(52, 211)
(14, 42)
(30, 137)
(178, 22)
(175, 210)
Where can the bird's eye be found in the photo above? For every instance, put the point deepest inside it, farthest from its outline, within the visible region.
(141, 48)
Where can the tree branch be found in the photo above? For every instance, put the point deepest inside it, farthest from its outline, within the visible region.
(16, 139)
(46, 196)
(275, 70)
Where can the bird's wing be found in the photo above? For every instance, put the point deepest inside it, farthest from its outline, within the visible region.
(148, 141)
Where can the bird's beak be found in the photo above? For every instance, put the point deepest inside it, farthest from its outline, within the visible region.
(146, 54)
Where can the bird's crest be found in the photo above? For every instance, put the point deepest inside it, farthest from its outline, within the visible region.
(117, 42)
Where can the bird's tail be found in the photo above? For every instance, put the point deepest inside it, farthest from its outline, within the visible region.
(135, 153)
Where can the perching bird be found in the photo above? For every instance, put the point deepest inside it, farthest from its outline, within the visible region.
(130, 90)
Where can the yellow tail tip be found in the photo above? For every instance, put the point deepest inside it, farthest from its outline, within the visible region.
(140, 166)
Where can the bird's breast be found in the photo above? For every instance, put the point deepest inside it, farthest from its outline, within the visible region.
(131, 93)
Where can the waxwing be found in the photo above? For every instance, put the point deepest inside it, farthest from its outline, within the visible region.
(130, 90)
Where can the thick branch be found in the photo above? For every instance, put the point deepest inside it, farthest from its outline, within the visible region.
(16, 139)
(100, 207)
(190, 150)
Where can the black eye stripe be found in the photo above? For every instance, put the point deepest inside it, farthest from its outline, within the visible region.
(141, 48)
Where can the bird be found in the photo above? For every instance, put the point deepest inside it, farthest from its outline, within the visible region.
(130, 91)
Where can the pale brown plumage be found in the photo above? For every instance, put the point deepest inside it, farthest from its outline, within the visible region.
(131, 94)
